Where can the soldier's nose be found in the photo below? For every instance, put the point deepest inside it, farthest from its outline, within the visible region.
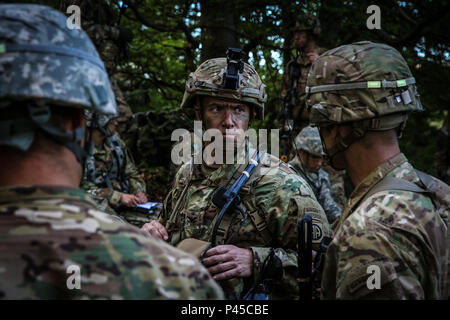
(228, 120)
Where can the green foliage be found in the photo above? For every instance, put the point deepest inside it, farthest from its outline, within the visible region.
(169, 47)
(168, 44)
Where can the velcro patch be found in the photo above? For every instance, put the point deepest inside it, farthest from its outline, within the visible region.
(356, 284)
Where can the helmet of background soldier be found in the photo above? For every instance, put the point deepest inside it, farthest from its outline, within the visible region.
(309, 140)
(97, 120)
(207, 81)
(367, 85)
(307, 23)
(43, 63)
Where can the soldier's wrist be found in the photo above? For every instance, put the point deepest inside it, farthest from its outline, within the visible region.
(116, 198)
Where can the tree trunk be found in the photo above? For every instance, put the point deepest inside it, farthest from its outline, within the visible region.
(219, 24)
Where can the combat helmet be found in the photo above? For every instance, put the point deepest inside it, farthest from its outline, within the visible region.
(226, 78)
(44, 65)
(307, 23)
(365, 84)
(95, 120)
(309, 140)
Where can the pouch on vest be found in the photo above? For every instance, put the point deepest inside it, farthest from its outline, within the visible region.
(194, 246)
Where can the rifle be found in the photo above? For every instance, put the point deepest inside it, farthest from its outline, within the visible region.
(286, 114)
(269, 271)
(228, 199)
(304, 259)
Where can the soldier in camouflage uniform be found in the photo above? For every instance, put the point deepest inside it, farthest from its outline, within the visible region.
(308, 162)
(273, 199)
(391, 241)
(98, 20)
(110, 175)
(337, 181)
(305, 33)
(51, 230)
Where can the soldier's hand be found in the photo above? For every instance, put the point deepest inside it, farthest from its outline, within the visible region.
(129, 200)
(156, 229)
(228, 261)
(312, 56)
(142, 198)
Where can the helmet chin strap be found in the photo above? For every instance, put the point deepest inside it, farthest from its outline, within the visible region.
(358, 131)
(40, 116)
(360, 128)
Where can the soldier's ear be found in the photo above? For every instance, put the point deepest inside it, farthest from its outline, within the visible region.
(198, 115)
(198, 109)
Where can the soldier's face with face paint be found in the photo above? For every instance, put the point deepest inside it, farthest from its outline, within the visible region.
(230, 117)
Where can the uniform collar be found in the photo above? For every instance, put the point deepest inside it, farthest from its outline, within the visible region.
(368, 182)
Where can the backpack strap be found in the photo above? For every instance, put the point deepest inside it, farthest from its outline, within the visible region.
(258, 220)
(391, 183)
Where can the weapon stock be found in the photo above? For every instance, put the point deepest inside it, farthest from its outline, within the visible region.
(304, 261)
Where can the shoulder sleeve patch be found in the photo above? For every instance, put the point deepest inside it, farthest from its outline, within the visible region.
(366, 278)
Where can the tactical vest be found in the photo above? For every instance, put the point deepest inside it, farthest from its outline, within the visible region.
(115, 172)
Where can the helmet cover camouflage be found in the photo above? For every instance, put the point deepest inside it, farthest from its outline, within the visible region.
(43, 63)
(41, 58)
(208, 78)
(97, 120)
(307, 23)
(309, 140)
(364, 81)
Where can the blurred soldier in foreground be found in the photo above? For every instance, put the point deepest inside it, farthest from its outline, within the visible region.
(256, 242)
(110, 175)
(54, 243)
(308, 163)
(99, 21)
(391, 241)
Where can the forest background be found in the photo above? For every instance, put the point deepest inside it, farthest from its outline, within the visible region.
(172, 37)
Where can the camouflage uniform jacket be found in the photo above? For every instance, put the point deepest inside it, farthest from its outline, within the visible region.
(274, 190)
(300, 83)
(46, 229)
(320, 183)
(103, 164)
(397, 231)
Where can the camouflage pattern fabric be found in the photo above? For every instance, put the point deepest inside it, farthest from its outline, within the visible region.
(46, 229)
(320, 184)
(387, 86)
(103, 163)
(307, 23)
(337, 181)
(208, 79)
(309, 140)
(47, 71)
(281, 198)
(397, 231)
